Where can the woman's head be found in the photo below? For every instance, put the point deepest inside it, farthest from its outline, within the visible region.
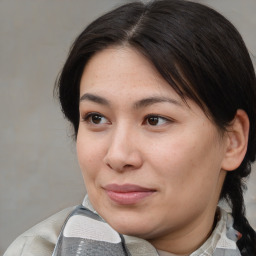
(194, 50)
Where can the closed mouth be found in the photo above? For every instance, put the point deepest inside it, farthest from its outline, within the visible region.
(127, 194)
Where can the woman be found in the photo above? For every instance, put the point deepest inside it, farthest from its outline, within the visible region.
(162, 98)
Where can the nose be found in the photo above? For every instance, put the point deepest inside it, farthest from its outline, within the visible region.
(123, 152)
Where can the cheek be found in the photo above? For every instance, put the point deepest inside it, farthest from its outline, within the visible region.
(88, 153)
(186, 162)
(171, 155)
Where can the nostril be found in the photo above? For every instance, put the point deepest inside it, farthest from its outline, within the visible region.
(109, 166)
(128, 166)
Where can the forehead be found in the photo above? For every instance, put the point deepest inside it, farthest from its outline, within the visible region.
(123, 69)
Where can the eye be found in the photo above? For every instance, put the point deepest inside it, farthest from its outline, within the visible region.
(95, 118)
(155, 120)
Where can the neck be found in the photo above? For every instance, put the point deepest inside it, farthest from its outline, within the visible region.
(187, 240)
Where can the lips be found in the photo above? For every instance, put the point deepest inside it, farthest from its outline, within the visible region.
(127, 194)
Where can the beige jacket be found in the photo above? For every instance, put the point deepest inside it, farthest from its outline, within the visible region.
(40, 240)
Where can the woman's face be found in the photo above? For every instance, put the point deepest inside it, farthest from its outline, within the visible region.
(151, 164)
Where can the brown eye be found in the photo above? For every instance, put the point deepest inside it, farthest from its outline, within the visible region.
(153, 120)
(96, 119)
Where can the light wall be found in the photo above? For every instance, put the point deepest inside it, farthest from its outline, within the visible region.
(39, 173)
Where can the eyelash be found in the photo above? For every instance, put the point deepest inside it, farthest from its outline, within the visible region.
(87, 118)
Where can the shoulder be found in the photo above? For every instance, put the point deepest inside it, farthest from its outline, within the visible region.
(40, 240)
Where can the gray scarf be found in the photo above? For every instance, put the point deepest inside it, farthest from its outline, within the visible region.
(85, 233)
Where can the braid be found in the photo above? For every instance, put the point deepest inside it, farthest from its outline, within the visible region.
(232, 192)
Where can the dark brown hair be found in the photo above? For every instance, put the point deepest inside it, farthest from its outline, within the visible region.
(199, 53)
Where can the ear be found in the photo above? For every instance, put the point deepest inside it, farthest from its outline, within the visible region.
(237, 141)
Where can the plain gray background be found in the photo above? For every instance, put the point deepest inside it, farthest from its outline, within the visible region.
(39, 170)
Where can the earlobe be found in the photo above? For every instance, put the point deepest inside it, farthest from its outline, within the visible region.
(237, 141)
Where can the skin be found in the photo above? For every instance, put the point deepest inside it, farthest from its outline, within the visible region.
(180, 155)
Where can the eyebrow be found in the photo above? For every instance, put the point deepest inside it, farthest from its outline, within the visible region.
(153, 100)
(94, 98)
(139, 104)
